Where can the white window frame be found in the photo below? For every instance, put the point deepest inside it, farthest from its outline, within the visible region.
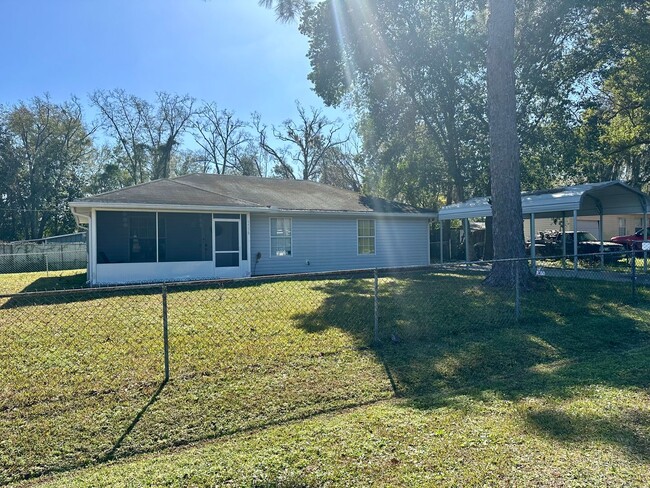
(271, 237)
(374, 237)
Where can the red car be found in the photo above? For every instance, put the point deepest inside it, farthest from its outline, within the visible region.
(633, 241)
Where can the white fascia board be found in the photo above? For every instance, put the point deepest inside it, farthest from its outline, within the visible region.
(82, 216)
(252, 210)
(465, 212)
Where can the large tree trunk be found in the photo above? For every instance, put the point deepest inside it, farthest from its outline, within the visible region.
(507, 223)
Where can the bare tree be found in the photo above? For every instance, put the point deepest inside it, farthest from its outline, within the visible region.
(222, 136)
(187, 161)
(123, 117)
(277, 157)
(165, 126)
(307, 144)
(147, 133)
(344, 166)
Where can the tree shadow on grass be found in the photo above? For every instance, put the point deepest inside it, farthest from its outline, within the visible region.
(445, 337)
(49, 283)
(72, 432)
(625, 431)
(29, 298)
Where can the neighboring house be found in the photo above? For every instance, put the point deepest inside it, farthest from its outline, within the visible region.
(220, 226)
(613, 225)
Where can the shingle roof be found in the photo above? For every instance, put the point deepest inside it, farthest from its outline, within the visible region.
(232, 191)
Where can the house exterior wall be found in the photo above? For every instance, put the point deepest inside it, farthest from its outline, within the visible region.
(629, 224)
(329, 243)
(153, 272)
(319, 243)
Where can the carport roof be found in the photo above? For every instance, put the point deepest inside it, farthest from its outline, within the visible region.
(608, 198)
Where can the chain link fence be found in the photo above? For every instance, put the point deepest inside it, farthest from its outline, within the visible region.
(89, 375)
(45, 260)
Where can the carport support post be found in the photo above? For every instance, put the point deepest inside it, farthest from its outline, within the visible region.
(575, 241)
(533, 251)
(441, 245)
(600, 237)
(563, 240)
(645, 238)
(466, 229)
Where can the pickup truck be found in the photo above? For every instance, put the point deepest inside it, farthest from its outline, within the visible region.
(549, 243)
(632, 241)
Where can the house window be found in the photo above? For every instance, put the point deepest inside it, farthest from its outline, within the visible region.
(622, 227)
(184, 237)
(126, 237)
(280, 237)
(366, 236)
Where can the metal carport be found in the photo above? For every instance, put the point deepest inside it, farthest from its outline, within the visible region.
(593, 199)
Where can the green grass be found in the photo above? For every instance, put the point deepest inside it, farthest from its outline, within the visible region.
(396, 443)
(280, 384)
(622, 265)
(39, 281)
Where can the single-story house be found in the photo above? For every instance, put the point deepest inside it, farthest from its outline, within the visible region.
(205, 226)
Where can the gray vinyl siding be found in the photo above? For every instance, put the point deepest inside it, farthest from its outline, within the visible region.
(330, 244)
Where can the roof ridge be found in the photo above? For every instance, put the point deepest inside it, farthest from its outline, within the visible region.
(278, 180)
(217, 193)
(127, 187)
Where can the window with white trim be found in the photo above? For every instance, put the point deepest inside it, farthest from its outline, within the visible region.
(366, 236)
(280, 236)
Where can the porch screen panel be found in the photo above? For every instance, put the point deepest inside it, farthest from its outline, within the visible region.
(184, 237)
(126, 237)
(244, 238)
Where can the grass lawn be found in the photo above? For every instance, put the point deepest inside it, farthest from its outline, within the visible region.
(39, 281)
(280, 384)
(622, 265)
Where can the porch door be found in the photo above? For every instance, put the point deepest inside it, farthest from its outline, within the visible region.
(227, 250)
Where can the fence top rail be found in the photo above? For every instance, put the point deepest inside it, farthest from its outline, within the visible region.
(40, 252)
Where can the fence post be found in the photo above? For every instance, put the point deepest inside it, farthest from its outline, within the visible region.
(517, 298)
(633, 276)
(47, 265)
(376, 293)
(165, 333)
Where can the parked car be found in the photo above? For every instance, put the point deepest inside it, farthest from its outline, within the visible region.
(549, 243)
(632, 241)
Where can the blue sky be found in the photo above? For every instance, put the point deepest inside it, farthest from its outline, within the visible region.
(232, 52)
